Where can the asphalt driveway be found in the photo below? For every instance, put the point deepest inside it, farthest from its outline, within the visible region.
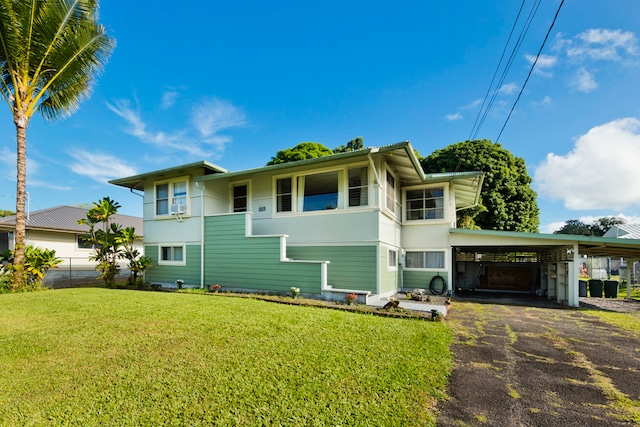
(532, 366)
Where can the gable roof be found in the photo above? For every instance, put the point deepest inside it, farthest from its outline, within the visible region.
(624, 231)
(65, 219)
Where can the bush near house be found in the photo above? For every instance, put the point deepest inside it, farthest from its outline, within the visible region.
(107, 357)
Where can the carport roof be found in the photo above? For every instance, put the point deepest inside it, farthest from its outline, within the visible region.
(494, 240)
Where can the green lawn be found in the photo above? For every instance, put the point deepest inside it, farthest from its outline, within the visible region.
(90, 356)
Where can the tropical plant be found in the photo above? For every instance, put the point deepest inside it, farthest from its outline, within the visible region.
(105, 236)
(137, 264)
(313, 150)
(50, 54)
(37, 262)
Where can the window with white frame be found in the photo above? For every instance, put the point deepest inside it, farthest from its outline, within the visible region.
(425, 203)
(320, 191)
(358, 187)
(391, 192)
(170, 194)
(284, 195)
(240, 198)
(171, 254)
(393, 258)
(424, 259)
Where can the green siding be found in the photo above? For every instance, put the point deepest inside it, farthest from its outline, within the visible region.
(416, 279)
(351, 267)
(236, 261)
(190, 272)
(388, 278)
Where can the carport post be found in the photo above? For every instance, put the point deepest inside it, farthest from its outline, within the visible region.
(630, 263)
(573, 297)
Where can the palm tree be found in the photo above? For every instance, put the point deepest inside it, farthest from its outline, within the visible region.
(50, 53)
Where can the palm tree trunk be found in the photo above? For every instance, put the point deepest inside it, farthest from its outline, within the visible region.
(20, 235)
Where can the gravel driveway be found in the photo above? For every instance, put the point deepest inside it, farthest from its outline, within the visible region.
(535, 366)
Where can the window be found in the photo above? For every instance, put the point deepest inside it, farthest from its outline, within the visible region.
(172, 254)
(391, 192)
(84, 242)
(283, 195)
(179, 193)
(171, 193)
(240, 198)
(320, 191)
(425, 260)
(358, 187)
(162, 199)
(425, 203)
(393, 258)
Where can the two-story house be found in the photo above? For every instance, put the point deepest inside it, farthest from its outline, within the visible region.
(368, 221)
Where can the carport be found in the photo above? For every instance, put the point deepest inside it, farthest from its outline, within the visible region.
(543, 264)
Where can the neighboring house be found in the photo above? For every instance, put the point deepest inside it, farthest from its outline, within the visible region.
(624, 231)
(370, 222)
(57, 228)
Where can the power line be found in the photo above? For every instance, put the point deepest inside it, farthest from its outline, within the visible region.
(486, 95)
(512, 56)
(531, 70)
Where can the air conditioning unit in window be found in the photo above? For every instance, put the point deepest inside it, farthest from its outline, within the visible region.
(177, 209)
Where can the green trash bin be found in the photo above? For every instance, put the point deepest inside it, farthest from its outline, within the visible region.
(611, 288)
(595, 288)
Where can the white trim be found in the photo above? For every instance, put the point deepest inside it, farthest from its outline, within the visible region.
(170, 196)
(445, 251)
(234, 184)
(172, 245)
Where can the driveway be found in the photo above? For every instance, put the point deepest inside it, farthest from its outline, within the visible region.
(533, 366)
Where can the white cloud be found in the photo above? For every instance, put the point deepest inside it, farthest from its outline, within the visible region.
(100, 167)
(213, 115)
(599, 173)
(545, 102)
(602, 44)
(201, 139)
(544, 63)
(508, 89)
(168, 99)
(583, 81)
(453, 117)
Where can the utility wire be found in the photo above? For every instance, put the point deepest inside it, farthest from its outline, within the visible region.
(531, 70)
(486, 95)
(512, 56)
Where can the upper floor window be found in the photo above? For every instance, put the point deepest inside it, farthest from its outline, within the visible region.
(358, 187)
(391, 192)
(425, 203)
(284, 195)
(320, 191)
(171, 197)
(240, 198)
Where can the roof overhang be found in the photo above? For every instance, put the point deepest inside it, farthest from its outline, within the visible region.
(498, 241)
(136, 182)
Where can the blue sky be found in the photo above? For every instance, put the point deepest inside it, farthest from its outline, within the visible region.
(234, 82)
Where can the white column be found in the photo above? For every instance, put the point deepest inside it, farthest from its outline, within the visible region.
(573, 288)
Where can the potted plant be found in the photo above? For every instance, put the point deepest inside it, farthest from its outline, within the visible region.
(215, 288)
(350, 298)
(295, 292)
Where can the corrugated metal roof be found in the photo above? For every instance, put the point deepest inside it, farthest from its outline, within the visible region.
(65, 218)
(624, 231)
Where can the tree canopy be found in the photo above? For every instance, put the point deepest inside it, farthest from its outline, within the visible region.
(507, 201)
(597, 228)
(312, 150)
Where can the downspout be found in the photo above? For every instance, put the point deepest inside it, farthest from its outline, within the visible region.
(201, 233)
